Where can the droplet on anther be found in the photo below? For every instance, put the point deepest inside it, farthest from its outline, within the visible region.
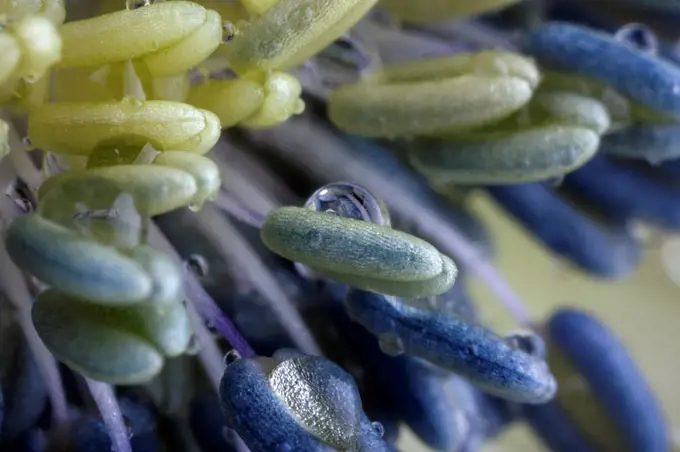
(197, 265)
(349, 200)
(639, 35)
(528, 342)
(231, 357)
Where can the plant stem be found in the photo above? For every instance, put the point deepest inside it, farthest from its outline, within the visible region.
(109, 410)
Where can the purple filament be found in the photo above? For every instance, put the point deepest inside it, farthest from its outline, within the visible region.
(211, 312)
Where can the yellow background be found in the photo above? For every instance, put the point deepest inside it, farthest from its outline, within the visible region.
(643, 310)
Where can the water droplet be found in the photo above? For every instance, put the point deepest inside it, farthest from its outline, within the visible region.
(131, 103)
(639, 35)
(285, 447)
(228, 31)
(210, 326)
(379, 428)
(231, 357)
(194, 345)
(528, 342)
(323, 398)
(28, 145)
(128, 426)
(349, 200)
(555, 181)
(198, 265)
(136, 4)
(391, 344)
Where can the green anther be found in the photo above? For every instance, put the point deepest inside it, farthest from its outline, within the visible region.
(75, 264)
(412, 289)
(555, 134)
(434, 96)
(205, 172)
(114, 345)
(343, 246)
(168, 37)
(291, 32)
(232, 100)
(155, 189)
(79, 128)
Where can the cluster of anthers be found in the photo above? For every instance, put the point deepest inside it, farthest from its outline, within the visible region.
(119, 258)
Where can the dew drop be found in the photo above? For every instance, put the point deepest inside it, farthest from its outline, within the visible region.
(528, 342)
(194, 345)
(231, 357)
(284, 447)
(349, 200)
(228, 31)
(379, 428)
(640, 36)
(198, 265)
(131, 103)
(391, 344)
(27, 144)
(136, 4)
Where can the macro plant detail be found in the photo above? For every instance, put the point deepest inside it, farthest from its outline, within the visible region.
(244, 224)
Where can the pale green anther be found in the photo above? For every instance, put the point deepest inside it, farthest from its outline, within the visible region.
(165, 275)
(155, 189)
(169, 37)
(415, 289)
(292, 31)
(555, 134)
(121, 345)
(75, 264)
(205, 172)
(528, 155)
(435, 96)
(79, 128)
(349, 247)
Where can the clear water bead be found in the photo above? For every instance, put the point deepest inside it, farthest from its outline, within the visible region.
(349, 200)
(379, 428)
(198, 265)
(639, 35)
(528, 342)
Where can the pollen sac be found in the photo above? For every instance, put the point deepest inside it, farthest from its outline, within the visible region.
(295, 402)
(435, 96)
(554, 134)
(633, 72)
(358, 253)
(604, 402)
(292, 31)
(467, 349)
(118, 345)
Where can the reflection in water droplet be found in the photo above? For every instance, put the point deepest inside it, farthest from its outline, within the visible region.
(379, 428)
(135, 4)
(639, 35)
(231, 357)
(349, 200)
(391, 344)
(228, 31)
(194, 345)
(198, 265)
(28, 145)
(322, 398)
(528, 342)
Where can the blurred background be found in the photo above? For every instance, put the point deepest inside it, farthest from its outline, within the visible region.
(643, 310)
